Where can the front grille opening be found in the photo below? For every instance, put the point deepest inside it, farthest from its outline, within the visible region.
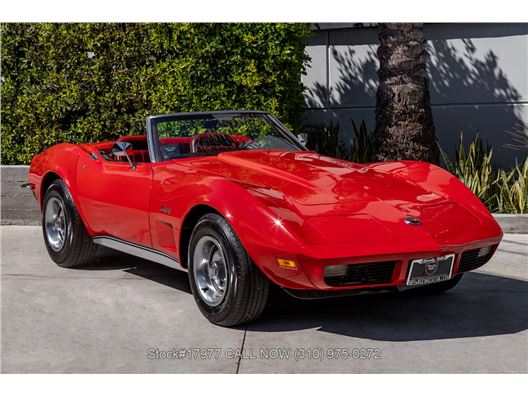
(472, 259)
(359, 274)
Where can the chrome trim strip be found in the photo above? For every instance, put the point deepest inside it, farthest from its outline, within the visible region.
(139, 251)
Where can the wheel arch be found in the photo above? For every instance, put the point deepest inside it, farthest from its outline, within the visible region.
(189, 222)
(252, 220)
(48, 178)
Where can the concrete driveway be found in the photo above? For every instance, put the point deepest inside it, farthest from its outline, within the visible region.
(130, 315)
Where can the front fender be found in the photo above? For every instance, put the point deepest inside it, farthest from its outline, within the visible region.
(261, 231)
(437, 179)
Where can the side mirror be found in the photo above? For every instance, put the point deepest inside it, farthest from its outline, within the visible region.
(120, 149)
(302, 138)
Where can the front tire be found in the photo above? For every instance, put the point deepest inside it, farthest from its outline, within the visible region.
(227, 286)
(67, 241)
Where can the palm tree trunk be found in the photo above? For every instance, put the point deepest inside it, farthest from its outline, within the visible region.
(404, 122)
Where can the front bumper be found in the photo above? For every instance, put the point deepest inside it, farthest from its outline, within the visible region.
(310, 274)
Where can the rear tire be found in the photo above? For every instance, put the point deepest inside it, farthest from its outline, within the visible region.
(67, 241)
(227, 286)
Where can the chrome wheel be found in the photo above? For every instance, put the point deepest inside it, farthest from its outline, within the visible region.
(55, 223)
(210, 270)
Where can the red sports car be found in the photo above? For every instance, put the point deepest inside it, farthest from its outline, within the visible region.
(237, 201)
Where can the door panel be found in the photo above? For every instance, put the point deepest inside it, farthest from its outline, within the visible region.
(115, 199)
(167, 206)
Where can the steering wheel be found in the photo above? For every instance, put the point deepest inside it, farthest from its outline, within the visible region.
(212, 141)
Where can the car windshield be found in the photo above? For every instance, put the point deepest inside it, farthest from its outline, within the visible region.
(189, 135)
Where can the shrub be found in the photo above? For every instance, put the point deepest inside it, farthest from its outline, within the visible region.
(473, 167)
(512, 189)
(362, 147)
(323, 138)
(500, 190)
(90, 82)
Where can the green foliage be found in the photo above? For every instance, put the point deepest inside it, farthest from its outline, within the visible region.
(512, 189)
(473, 167)
(323, 138)
(91, 82)
(501, 191)
(362, 146)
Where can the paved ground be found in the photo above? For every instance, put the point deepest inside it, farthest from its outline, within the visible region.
(106, 318)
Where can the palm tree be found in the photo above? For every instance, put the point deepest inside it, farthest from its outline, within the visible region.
(404, 122)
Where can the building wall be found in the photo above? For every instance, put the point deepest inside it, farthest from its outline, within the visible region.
(478, 81)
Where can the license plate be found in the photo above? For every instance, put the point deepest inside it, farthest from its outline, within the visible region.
(430, 270)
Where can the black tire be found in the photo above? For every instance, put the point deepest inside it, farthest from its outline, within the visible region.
(247, 289)
(78, 247)
(440, 287)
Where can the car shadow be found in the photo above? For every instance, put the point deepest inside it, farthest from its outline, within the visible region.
(480, 305)
(108, 259)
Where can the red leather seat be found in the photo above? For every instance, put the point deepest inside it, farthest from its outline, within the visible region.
(139, 151)
(139, 156)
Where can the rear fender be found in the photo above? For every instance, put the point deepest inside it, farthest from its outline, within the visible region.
(61, 160)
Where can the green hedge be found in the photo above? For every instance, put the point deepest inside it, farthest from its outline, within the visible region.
(90, 82)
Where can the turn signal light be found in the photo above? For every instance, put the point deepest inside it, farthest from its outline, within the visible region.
(283, 263)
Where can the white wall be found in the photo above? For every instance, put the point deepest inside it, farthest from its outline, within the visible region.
(478, 81)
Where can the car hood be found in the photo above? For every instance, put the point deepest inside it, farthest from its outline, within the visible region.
(308, 178)
(324, 200)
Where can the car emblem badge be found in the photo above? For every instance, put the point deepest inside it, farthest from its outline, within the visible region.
(430, 268)
(411, 220)
(165, 209)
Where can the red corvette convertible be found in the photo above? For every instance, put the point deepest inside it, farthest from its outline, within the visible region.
(237, 201)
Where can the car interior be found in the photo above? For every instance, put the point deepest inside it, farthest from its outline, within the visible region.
(174, 147)
(138, 152)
